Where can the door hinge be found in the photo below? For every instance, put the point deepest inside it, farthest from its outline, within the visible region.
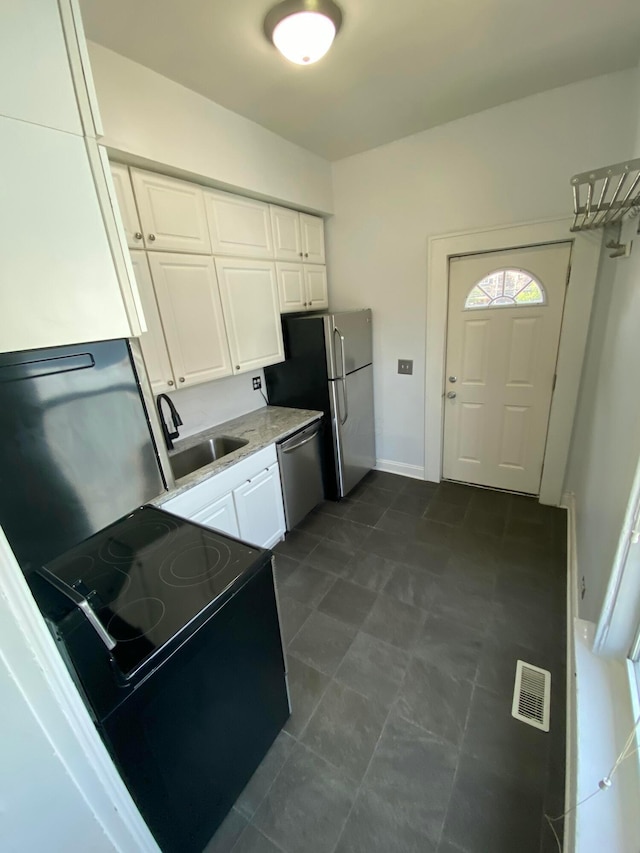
(553, 387)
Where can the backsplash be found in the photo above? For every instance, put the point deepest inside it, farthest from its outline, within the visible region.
(211, 403)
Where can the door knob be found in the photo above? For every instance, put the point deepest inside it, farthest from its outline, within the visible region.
(453, 379)
(451, 394)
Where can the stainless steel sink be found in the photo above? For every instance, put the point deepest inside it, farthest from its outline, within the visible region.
(187, 461)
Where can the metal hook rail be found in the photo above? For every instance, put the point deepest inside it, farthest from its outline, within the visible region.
(611, 193)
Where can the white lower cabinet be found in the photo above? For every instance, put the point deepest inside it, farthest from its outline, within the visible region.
(220, 515)
(259, 508)
(244, 500)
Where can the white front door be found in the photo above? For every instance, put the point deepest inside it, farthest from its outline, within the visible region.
(505, 314)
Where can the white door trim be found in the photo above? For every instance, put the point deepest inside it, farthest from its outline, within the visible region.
(573, 336)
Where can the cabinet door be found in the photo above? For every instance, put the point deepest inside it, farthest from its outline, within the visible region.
(291, 287)
(59, 283)
(238, 226)
(259, 509)
(251, 311)
(152, 342)
(286, 233)
(191, 313)
(220, 516)
(315, 280)
(312, 230)
(126, 205)
(172, 213)
(36, 83)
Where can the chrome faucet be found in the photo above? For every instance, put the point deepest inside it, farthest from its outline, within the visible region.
(175, 417)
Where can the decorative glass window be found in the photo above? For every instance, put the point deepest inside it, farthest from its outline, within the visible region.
(505, 288)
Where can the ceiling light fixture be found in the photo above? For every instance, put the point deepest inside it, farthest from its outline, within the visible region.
(303, 30)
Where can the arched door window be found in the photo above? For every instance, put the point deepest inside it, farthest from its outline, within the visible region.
(509, 288)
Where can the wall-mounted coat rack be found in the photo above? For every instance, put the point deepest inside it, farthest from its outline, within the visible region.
(604, 196)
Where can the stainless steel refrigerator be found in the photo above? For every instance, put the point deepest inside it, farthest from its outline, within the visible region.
(329, 366)
(76, 450)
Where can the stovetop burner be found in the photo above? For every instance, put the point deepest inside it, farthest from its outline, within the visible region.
(148, 576)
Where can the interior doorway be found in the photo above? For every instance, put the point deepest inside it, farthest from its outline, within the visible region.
(503, 329)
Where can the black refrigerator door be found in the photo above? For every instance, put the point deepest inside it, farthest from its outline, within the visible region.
(76, 450)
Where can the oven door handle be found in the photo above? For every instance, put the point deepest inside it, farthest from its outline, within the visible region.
(96, 624)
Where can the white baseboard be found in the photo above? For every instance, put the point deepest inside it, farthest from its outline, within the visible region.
(571, 755)
(402, 468)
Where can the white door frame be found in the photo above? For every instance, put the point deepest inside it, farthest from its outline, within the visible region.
(585, 257)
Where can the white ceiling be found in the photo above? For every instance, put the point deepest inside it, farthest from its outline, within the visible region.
(395, 68)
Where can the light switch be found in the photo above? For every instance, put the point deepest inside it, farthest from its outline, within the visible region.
(405, 365)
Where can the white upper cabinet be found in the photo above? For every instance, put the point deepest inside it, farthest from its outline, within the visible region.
(252, 313)
(59, 282)
(36, 81)
(291, 287)
(126, 205)
(302, 287)
(315, 279)
(189, 304)
(238, 226)
(312, 232)
(286, 234)
(152, 342)
(172, 213)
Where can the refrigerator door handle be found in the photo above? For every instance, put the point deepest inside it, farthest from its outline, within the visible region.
(343, 377)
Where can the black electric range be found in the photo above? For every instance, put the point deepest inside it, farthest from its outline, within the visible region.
(171, 631)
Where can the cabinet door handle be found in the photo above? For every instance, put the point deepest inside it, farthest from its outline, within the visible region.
(300, 254)
(306, 254)
(182, 379)
(138, 235)
(152, 237)
(170, 382)
(237, 367)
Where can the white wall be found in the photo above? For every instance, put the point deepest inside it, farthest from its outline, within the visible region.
(502, 166)
(148, 116)
(606, 438)
(212, 403)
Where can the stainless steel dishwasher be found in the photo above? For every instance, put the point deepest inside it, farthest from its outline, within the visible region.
(301, 473)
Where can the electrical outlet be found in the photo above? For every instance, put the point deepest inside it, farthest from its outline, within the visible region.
(405, 365)
(257, 383)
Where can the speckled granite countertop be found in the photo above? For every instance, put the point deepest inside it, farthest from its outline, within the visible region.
(261, 428)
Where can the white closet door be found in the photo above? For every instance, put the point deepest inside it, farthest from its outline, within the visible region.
(286, 234)
(189, 303)
(315, 278)
(252, 312)
(152, 342)
(238, 226)
(126, 205)
(312, 230)
(172, 213)
(291, 287)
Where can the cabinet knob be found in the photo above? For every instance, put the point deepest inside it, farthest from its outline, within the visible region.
(306, 254)
(170, 382)
(152, 237)
(300, 254)
(181, 379)
(237, 367)
(138, 235)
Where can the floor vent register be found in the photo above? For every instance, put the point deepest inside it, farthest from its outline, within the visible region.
(531, 695)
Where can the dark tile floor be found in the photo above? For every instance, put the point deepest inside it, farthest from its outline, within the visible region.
(405, 608)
